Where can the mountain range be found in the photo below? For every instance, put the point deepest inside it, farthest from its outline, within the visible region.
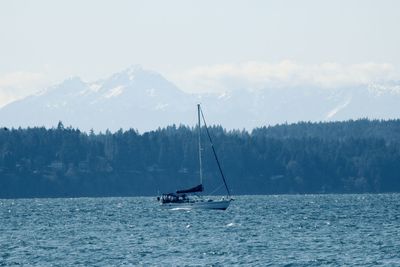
(144, 100)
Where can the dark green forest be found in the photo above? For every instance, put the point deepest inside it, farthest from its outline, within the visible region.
(333, 157)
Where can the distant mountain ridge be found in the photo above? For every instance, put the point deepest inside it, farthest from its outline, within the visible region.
(133, 98)
(145, 100)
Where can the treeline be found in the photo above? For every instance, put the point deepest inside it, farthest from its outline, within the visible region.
(337, 157)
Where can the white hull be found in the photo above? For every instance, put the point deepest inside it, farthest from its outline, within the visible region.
(205, 205)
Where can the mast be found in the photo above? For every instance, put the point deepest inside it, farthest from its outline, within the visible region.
(199, 133)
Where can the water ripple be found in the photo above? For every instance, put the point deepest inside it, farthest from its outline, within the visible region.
(311, 230)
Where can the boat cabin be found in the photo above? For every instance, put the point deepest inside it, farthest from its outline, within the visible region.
(173, 198)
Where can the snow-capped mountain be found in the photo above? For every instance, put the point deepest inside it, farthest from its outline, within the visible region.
(145, 100)
(134, 98)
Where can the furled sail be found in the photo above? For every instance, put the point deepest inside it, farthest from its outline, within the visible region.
(197, 188)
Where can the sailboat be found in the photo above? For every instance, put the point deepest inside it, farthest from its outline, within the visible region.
(189, 198)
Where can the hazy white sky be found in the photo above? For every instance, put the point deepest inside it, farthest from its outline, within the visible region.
(197, 44)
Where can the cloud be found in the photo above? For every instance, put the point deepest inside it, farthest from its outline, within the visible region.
(259, 75)
(15, 85)
(20, 79)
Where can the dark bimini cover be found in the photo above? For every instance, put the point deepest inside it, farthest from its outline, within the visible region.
(197, 188)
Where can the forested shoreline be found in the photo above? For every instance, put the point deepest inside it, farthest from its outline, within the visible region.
(333, 157)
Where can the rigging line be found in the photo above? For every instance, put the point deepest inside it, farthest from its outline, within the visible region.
(216, 189)
(215, 154)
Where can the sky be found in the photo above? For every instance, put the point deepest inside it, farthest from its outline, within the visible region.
(199, 45)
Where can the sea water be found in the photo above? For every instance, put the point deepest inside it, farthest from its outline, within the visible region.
(291, 230)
